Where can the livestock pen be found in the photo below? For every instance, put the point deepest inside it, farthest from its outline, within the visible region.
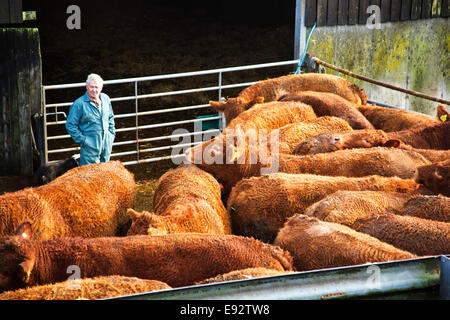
(155, 110)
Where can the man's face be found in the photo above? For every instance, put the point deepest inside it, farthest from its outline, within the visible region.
(93, 90)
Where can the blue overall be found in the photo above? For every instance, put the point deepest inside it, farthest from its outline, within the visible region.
(94, 132)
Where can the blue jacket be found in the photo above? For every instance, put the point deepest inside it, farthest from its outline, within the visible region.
(93, 132)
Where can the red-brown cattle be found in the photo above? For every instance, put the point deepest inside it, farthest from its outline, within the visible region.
(392, 119)
(259, 206)
(274, 89)
(412, 234)
(330, 104)
(328, 142)
(87, 201)
(316, 244)
(187, 199)
(431, 137)
(435, 176)
(176, 259)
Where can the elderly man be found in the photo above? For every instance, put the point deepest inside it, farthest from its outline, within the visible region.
(91, 123)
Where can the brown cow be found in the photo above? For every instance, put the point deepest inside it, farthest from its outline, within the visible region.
(332, 141)
(259, 206)
(176, 259)
(230, 161)
(87, 201)
(316, 244)
(413, 234)
(274, 89)
(435, 177)
(428, 207)
(355, 163)
(187, 199)
(392, 119)
(330, 104)
(345, 207)
(431, 137)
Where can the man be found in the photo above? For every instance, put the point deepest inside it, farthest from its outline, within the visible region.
(91, 123)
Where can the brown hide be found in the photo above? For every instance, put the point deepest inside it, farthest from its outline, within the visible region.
(233, 162)
(87, 201)
(391, 119)
(416, 235)
(345, 207)
(329, 104)
(435, 177)
(176, 259)
(95, 288)
(187, 199)
(274, 89)
(259, 206)
(431, 137)
(316, 244)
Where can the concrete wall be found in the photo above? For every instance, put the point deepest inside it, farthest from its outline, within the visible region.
(409, 54)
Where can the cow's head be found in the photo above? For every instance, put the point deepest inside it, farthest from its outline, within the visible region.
(329, 142)
(17, 258)
(232, 107)
(435, 177)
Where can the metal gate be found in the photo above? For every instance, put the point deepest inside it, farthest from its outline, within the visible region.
(59, 145)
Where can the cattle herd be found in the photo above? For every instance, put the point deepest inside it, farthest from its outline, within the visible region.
(305, 176)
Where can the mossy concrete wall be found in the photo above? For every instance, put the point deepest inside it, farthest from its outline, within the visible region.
(409, 54)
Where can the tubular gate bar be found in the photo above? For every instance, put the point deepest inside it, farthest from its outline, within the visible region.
(136, 97)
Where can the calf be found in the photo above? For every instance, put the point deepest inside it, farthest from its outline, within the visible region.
(187, 199)
(87, 201)
(330, 104)
(316, 244)
(435, 176)
(259, 206)
(274, 89)
(413, 234)
(52, 170)
(176, 259)
(392, 119)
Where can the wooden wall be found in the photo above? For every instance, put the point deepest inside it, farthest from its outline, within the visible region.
(351, 12)
(20, 97)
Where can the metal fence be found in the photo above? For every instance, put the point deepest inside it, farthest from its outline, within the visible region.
(54, 115)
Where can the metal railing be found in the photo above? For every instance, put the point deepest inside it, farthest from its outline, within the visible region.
(56, 110)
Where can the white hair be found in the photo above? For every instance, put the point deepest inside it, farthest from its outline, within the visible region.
(96, 78)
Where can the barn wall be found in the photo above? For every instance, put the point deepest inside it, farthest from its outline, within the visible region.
(409, 54)
(20, 96)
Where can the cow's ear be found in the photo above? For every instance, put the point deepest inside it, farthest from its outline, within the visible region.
(25, 270)
(218, 106)
(134, 215)
(392, 143)
(24, 230)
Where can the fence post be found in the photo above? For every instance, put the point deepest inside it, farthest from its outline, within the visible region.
(300, 29)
